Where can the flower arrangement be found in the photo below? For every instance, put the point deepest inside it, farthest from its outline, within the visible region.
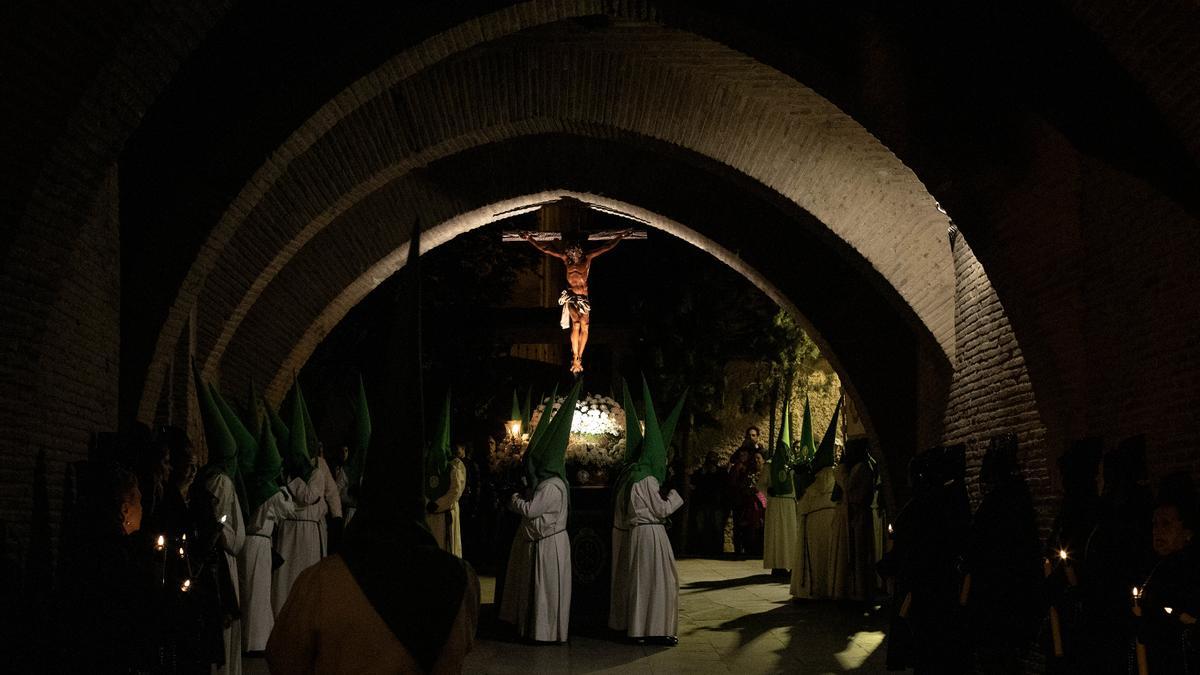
(597, 435)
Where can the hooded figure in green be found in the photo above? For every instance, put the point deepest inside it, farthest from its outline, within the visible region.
(400, 603)
(821, 567)
(445, 480)
(779, 525)
(645, 601)
(537, 588)
(270, 505)
(215, 485)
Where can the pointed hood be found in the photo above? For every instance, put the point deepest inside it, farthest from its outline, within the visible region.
(222, 447)
(544, 420)
(310, 430)
(414, 586)
(526, 410)
(633, 428)
(247, 445)
(548, 456)
(808, 447)
(826, 454)
(279, 428)
(361, 440)
(264, 482)
(515, 413)
(297, 459)
(652, 460)
(781, 460)
(438, 456)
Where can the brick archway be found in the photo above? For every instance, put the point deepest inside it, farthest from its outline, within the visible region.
(761, 124)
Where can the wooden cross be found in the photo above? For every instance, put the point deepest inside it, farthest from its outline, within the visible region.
(575, 301)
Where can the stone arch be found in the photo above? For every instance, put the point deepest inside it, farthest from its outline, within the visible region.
(811, 153)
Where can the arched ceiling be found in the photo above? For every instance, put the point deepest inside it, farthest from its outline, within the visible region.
(777, 245)
(641, 81)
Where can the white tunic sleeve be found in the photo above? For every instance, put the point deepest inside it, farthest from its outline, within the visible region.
(547, 497)
(225, 504)
(648, 504)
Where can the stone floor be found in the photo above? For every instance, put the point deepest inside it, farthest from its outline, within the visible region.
(733, 617)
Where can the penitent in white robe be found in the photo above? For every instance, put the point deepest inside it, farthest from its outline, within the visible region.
(652, 597)
(618, 616)
(821, 570)
(258, 617)
(537, 588)
(780, 533)
(299, 538)
(232, 538)
(445, 524)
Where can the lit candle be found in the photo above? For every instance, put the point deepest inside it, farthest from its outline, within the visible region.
(1068, 568)
(160, 545)
(187, 584)
(181, 553)
(223, 519)
(1055, 624)
(1169, 610)
(1143, 664)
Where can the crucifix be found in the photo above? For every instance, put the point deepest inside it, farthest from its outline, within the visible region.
(576, 306)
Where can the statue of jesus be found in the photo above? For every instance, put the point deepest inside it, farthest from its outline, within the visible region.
(577, 309)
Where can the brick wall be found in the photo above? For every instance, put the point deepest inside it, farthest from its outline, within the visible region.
(66, 388)
(990, 393)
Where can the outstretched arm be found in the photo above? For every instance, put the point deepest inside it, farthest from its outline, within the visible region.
(528, 236)
(608, 246)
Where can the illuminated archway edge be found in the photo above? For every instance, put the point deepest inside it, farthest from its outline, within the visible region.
(432, 237)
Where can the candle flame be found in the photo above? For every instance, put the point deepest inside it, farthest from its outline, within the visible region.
(187, 583)
(161, 542)
(890, 530)
(1062, 553)
(184, 536)
(180, 551)
(1169, 610)
(1137, 593)
(223, 519)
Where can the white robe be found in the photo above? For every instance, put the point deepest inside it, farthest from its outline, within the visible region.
(618, 616)
(258, 616)
(652, 604)
(821, 570)
(232, 538)
(323, 483)
(537, 588)
(780, 533)
(299, 538)
(445, 524)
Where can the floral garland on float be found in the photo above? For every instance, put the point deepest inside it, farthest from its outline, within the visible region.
(597, 441)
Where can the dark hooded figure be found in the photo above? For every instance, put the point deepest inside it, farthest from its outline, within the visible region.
(109, 587)
(390, 600)
(1073, 527)
(1115, 559)
(1170, 603)
(1004, 562)
(923, 562)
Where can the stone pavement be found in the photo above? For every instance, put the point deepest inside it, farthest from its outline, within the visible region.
(733, 617)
